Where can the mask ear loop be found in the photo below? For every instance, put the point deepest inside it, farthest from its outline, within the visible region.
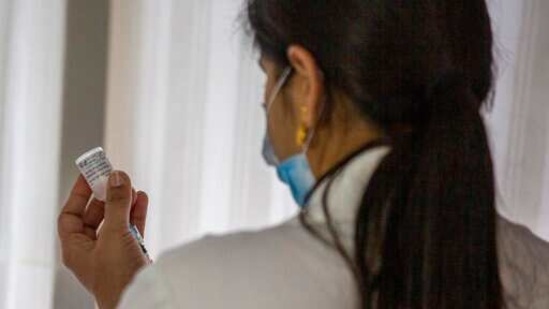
(281, 81)
(309, 139)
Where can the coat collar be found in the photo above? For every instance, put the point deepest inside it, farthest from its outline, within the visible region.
(347, 187)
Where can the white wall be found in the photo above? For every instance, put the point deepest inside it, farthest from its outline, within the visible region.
(83, 119)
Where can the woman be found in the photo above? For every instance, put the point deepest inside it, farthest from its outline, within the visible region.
(374, 124)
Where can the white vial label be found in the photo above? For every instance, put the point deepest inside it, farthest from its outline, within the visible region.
(96, 168)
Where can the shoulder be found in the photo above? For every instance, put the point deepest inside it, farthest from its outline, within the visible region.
(524, 265)
(222, 255)
(513, 234)
(271, 268)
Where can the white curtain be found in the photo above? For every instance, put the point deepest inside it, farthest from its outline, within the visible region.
(31, 53)
(184, 118)
(520, 121)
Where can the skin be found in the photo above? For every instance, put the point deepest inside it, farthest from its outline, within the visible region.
(96, 243)
(105, 259)
(300, 104)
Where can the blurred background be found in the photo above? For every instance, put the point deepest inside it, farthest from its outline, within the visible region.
(171, 90)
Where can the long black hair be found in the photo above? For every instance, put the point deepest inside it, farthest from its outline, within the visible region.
(425, 233)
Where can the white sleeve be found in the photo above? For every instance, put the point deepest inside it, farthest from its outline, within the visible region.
(524, 266)
(147, 291)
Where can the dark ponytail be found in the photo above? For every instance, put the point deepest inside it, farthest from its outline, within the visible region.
(421, 70)
(435, 193)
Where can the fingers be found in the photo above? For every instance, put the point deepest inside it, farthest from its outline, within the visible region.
(119, 200)
(95, 213)
(78, 198)
(70, 218)
(134, 196)
(93, 217)
(138, 215)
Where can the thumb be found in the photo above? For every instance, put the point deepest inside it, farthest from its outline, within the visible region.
(119, 200)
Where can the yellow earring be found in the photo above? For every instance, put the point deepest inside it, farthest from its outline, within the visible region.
(301, 135)
(303, 131)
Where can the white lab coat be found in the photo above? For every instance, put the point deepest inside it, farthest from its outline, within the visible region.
(285, 267)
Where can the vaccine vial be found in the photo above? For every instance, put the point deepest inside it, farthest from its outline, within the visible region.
(96, 168)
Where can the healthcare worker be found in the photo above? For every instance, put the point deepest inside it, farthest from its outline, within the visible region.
(373, 123)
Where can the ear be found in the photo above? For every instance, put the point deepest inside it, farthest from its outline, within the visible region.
(308, 83)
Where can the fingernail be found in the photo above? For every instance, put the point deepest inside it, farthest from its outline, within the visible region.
(116, 180)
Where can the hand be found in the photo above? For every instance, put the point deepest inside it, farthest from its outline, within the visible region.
(104, 260)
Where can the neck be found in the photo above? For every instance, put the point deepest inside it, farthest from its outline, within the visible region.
(331, 146)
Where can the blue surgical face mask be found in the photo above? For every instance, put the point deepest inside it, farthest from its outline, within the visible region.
(294, 171)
